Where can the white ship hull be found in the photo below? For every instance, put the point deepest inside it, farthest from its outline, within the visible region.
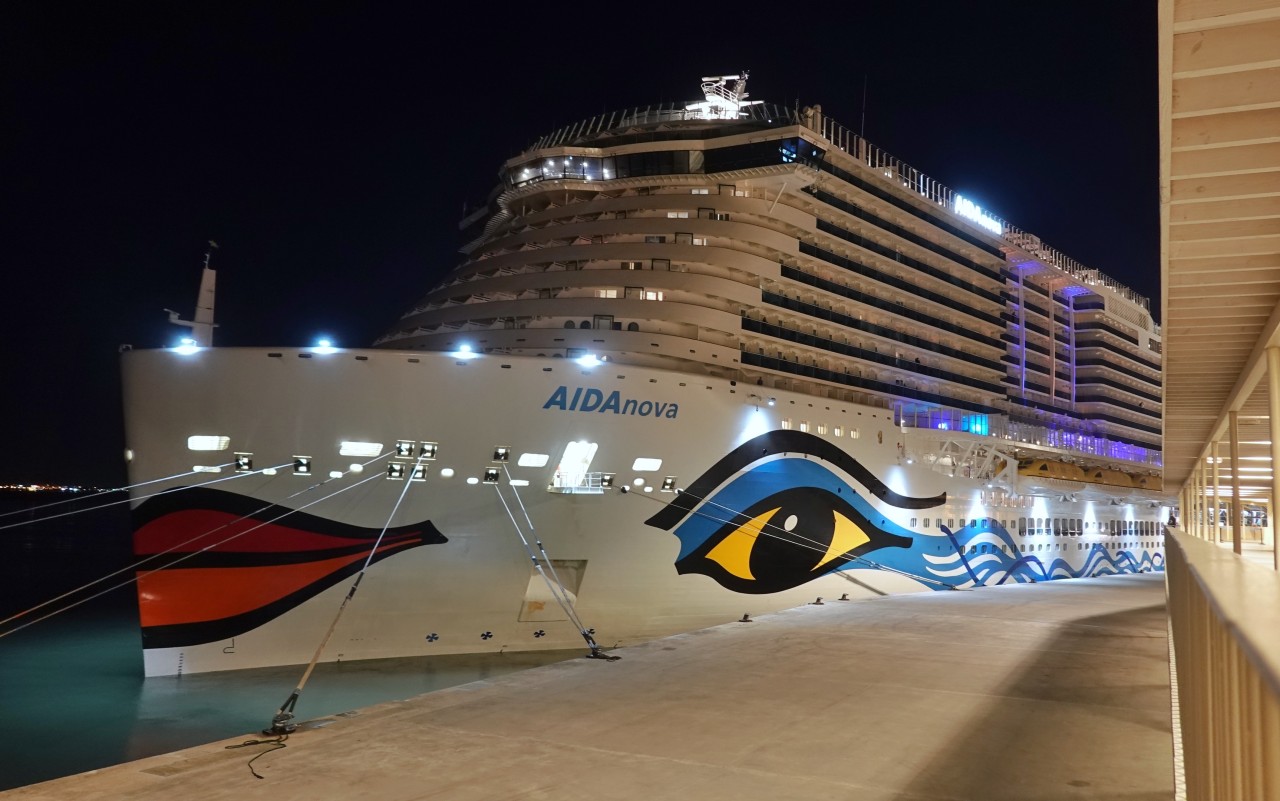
(257, 586)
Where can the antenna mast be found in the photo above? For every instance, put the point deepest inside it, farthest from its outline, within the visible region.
(202, 326)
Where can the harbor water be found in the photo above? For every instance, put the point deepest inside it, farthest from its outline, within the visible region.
(72, 695)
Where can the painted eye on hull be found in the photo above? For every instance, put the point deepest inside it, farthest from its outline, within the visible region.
(782, 509)
(784, 540)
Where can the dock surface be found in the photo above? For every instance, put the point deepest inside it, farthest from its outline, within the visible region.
(1048, 691)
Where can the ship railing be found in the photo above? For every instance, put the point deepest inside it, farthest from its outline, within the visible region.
(838, 136)
(899, 172)
(577, 484)
(1082, 441)
(1223, 616)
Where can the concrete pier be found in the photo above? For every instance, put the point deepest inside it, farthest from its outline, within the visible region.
(1052, 691)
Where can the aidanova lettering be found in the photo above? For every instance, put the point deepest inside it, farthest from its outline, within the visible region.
(590, 399)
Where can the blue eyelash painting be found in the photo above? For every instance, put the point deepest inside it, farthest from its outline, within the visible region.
(788, 507)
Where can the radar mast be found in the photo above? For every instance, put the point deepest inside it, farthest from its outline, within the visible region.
(723, 102)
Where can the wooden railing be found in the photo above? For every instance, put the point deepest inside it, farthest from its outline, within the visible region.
(1225, 618)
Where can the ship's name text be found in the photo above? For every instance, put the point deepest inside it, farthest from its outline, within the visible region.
(590, 399)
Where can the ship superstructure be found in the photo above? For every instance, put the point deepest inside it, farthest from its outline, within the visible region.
(773, 247)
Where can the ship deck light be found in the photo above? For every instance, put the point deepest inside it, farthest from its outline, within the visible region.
(324, 346)
(187, 346)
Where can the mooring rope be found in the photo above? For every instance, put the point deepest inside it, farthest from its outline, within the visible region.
(180, 559)
(281, 721)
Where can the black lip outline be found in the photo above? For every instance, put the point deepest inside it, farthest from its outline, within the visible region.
(782, 441)
(177, 635)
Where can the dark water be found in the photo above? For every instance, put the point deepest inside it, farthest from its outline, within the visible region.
(72, 696)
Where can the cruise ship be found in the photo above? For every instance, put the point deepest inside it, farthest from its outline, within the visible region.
(699, 362)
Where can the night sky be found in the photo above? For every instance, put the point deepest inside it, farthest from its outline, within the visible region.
(331, 153)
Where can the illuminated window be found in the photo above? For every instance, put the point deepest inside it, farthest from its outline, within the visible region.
(785, 424)
(650, 294)
(428, 450)
(822, 428)
(853, 433)
(699, 240)
(491, 475)
(395, 471)
(678, 215)
(360, 449)
(606, 293)
(244, 462)
(501, 454)
(701, 191)
(804, 426)
(669, 484)
(204, 442)
(837, 432)
(404, 449)
(419, 472)
(302, 465)
(574, 464)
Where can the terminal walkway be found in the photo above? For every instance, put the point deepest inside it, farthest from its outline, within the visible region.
(1048, 691)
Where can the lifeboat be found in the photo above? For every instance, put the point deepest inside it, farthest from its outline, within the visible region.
(1149, 482)
(1113, 478)
(1049, 476)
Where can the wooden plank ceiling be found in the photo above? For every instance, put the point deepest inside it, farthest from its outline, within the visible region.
(1220, 229)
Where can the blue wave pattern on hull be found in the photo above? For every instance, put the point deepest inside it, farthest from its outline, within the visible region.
(957, 567)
